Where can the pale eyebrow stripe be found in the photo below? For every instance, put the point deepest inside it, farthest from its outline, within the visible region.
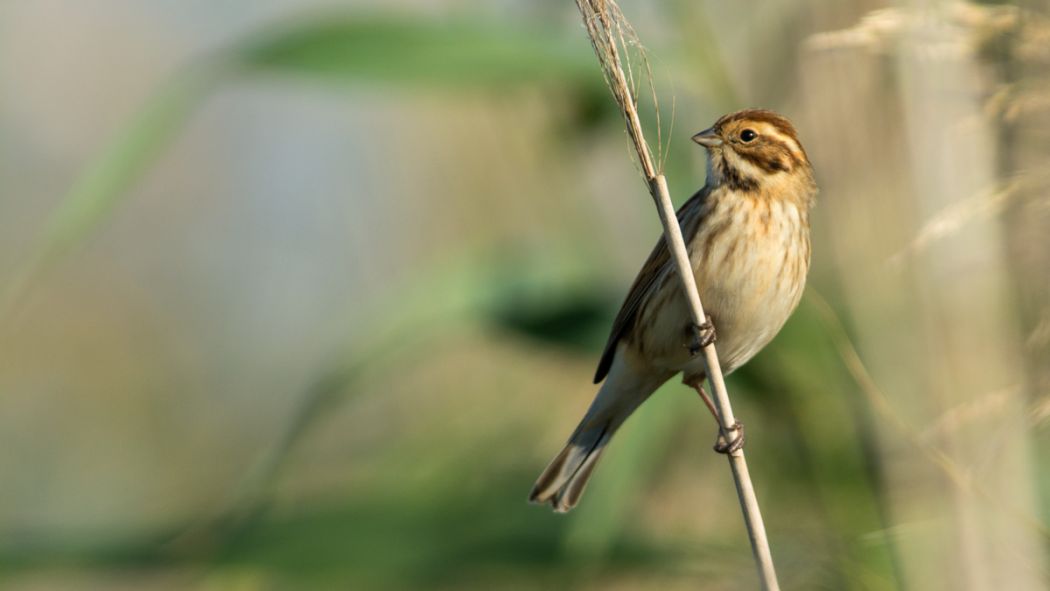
(790, 142)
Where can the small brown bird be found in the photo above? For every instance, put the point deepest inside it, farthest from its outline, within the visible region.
(747, 233)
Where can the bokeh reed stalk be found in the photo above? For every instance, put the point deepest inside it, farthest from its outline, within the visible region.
(924, 238)
(610, 33)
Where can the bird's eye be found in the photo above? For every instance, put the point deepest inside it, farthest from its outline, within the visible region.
(747, 135)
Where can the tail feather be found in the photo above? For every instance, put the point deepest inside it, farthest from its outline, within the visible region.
(570, 494)
(562, 483)
(624, 389)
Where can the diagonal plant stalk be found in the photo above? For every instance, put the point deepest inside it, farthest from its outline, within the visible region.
(610, 33)
(958, 475)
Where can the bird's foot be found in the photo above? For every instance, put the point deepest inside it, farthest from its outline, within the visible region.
(730, 446)
(702, 336)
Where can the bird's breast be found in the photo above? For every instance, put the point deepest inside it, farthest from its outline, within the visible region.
(750, 258)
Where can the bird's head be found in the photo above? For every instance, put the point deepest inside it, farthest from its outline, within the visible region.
(750, 149)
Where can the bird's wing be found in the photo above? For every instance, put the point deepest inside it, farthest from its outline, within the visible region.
(656, 265)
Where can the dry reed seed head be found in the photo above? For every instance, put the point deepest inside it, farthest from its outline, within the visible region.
(626, 68)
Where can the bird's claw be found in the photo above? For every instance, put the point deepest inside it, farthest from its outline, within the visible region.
(729, 447)
(702, 336)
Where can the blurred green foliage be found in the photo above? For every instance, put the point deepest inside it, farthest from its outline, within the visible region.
(435, 535)
(457, 55)
(416, 521)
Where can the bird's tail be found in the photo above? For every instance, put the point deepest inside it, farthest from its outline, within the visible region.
(563, 481)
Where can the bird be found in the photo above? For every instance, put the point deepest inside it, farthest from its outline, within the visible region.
(747, 234)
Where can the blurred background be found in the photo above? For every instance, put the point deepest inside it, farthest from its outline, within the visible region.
(303, 294)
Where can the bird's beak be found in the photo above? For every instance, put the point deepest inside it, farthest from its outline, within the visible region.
(708, 138)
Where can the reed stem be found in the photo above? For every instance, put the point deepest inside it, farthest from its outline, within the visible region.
(611, 35)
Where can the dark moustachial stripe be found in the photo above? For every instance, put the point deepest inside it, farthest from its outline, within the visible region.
(736, 181)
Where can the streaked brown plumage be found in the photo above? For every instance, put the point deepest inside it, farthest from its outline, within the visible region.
(747, 233)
